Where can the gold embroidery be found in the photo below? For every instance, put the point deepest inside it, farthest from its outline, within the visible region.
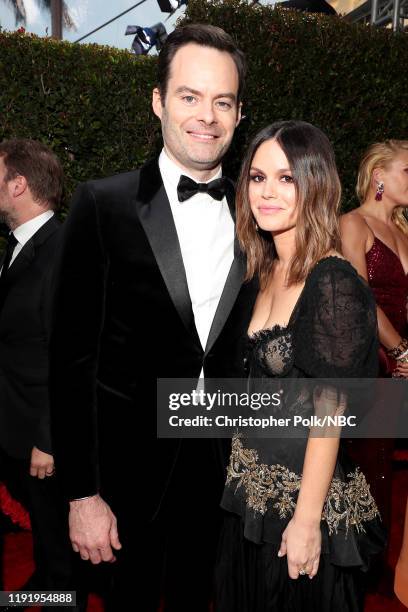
(347, 502)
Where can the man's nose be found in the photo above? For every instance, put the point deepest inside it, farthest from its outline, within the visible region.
(206, 112)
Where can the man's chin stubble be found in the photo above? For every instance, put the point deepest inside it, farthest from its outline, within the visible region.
(7, 219)
(208, 162)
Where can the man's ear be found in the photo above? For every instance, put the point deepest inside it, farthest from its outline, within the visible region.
(17, 186)
(157, 103)
(239, 114)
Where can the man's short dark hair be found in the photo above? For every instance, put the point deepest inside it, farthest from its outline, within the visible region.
(38, 164)
(205, 36)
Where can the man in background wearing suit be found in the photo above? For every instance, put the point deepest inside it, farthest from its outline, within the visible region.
(31, 181)
(151, 284)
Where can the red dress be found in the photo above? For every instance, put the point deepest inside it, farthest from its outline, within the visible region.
(389, 284)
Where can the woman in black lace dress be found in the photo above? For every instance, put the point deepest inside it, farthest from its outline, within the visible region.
(301, 521)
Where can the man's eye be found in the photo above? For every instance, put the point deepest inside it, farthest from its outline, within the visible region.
(189, 99)
(224, 105)
(257, 178)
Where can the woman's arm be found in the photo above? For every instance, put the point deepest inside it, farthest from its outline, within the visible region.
(338, 340)
(301, 540)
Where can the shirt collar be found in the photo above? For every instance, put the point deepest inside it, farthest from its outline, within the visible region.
(171, 172)
(26, 230)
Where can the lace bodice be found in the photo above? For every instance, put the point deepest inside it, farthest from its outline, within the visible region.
(331, 333)
(272, 349)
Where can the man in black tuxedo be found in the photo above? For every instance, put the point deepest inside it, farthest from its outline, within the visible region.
(151, 284)
(30, 188)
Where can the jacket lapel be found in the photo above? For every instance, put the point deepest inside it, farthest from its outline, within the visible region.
(157, 220)
(232, 285)
(26, 255)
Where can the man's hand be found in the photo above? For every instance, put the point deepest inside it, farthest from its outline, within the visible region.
(42, 464)
(93, 529)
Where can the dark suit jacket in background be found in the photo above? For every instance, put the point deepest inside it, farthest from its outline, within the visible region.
(25, 317)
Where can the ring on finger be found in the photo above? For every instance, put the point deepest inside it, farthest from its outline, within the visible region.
(303, 571)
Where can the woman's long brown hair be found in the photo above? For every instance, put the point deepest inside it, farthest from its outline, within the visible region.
(318, 191)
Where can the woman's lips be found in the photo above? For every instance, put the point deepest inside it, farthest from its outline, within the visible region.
(266, 210)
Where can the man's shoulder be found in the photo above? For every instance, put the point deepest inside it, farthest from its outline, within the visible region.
(124, 182)
(116, 182)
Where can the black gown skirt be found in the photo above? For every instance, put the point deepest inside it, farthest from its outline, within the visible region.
(252, 578)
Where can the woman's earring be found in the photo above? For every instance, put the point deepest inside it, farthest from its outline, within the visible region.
(380, 191)
(256, 227)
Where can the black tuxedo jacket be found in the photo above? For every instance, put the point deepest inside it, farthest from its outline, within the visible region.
(25, 314)
(123, 318)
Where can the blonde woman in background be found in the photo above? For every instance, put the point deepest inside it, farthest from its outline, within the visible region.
(375, 240)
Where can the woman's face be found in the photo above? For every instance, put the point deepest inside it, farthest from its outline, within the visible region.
(271, 191)
(395, 178)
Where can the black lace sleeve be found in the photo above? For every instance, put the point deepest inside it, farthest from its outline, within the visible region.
(337, 329)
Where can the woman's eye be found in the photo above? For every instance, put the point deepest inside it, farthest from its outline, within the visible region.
(257, 178)
(286, 178)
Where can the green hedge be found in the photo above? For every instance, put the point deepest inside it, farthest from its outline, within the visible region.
(89, 103)
(92, 103)
(347, 79)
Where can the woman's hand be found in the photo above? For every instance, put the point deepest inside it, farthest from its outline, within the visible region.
(301, 543)
(401, 370)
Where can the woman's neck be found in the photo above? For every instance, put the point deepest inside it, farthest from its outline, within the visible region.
(285, 246)
(379, 210)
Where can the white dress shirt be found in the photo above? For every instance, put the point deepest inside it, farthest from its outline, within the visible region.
(24, 232)
(205, 230)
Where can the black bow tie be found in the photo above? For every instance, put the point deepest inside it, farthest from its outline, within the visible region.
(186, 188)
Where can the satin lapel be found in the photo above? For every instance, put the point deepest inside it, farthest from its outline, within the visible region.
(232, 285)
(26, 255)
(2, 258)
(21, 262)
(155, 215)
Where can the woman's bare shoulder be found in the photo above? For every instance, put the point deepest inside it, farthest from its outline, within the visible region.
(354, 220)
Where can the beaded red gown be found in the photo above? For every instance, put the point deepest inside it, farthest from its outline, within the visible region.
(389, 284)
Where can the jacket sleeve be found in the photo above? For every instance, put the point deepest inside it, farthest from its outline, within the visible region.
(42, 433)
(78, 315)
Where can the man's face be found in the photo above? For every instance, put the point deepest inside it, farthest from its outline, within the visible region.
(200, 111)
(6, 206)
